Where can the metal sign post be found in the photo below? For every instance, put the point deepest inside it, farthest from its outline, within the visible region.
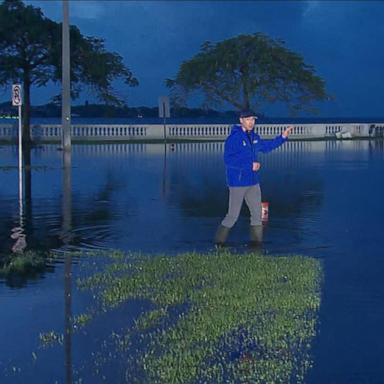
(17, 101)
(164, 112)
(17, 234)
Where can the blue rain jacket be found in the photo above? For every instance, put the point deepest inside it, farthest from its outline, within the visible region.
(240, 152)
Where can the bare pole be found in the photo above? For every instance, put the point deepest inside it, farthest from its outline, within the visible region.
(66, 81)
(67, 199)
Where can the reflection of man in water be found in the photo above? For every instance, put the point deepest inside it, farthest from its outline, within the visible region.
(242, 167)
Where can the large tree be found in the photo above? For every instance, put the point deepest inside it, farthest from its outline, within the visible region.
(30, 54)
(246, 71)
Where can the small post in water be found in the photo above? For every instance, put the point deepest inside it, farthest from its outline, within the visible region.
(164, 112)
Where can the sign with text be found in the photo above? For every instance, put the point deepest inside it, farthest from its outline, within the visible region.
(16, 95)
(164, 110)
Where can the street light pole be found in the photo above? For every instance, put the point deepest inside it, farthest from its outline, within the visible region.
(66, 142)
(66, 81)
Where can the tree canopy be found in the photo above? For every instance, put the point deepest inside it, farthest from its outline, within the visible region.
(30, 53)
(246, 71)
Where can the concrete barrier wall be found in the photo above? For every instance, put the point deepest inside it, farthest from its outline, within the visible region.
(146, 132)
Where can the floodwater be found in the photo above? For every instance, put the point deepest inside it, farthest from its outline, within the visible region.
(325, 201)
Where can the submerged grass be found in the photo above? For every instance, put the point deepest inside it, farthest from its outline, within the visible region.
(22, 264)
(215, 317)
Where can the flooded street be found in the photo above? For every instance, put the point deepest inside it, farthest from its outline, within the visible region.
(325, 202)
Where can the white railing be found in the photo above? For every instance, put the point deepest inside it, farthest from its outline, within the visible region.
(202, 152)
(8, 131)
(127, 132)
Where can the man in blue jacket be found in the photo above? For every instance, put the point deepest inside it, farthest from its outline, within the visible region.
(242, 167)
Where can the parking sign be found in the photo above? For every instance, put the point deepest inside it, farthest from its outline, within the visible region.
(164, 107)
(16, 95)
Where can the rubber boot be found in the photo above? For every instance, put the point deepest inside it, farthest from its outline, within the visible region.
(256, 235)
(221, 235)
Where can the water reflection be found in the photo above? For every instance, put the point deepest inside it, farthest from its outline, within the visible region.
(118, 193)
(17, 265)
(325, 201)
(66, 234)
(25, 184)
(114, 195)
(66, 237)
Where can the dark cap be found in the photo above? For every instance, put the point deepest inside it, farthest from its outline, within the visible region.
(248, 113)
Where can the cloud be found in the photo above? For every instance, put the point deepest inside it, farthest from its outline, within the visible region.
(91, 10)
(310, 8)
(79, 9)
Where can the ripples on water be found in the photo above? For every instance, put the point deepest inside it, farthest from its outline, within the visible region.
(121, 193)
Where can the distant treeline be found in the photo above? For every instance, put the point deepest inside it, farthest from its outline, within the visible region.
(102, 110)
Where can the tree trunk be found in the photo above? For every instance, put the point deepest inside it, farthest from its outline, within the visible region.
(26, 110)
(246, 105)
(246, 98)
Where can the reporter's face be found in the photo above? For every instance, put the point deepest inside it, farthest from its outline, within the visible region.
(248, 122)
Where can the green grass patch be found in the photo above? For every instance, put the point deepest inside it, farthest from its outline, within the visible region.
(22, 264)
(216, 317)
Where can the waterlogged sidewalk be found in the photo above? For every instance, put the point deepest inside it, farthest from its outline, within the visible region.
(191, 318)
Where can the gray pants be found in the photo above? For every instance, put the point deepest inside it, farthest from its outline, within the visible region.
(252, 196)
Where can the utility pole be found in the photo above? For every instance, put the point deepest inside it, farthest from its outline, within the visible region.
(67, 200)
(66, 81)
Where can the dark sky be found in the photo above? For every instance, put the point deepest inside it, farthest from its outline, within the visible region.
(343, 40)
